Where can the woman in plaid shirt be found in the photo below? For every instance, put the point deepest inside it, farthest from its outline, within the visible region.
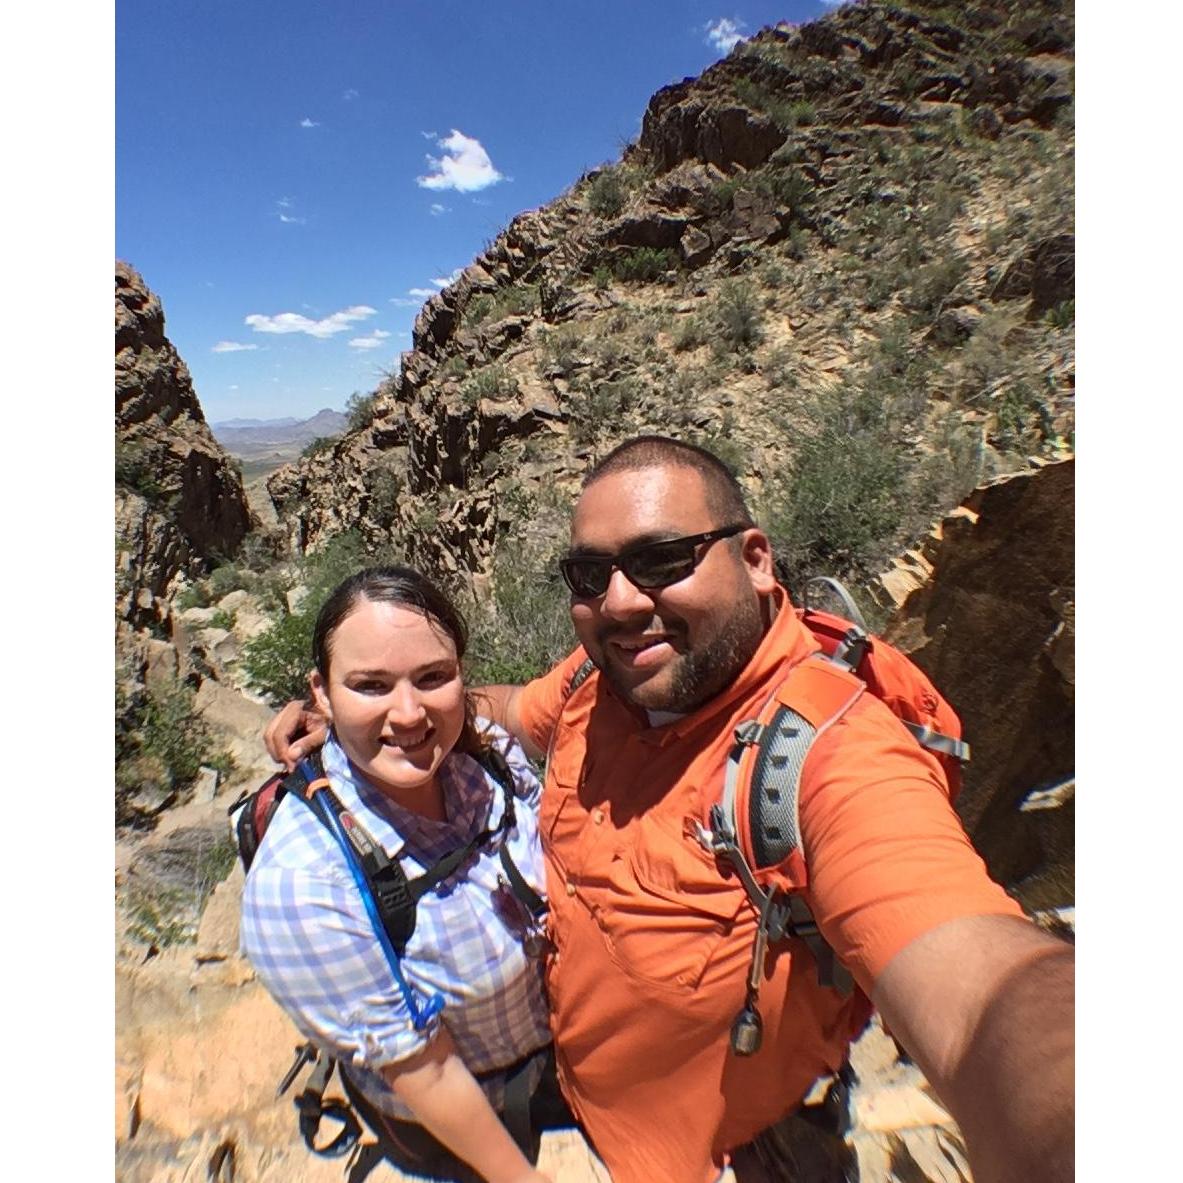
(400, 756)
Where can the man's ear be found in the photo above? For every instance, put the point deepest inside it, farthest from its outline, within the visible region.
(757, 559)
(320, 694)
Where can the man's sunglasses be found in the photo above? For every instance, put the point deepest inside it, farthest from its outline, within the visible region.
(649, 566)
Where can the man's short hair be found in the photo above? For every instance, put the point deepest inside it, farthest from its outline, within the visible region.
(724, 494)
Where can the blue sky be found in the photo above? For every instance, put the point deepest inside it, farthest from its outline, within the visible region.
(293, 178)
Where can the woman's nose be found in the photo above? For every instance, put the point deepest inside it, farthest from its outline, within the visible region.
(404, 705)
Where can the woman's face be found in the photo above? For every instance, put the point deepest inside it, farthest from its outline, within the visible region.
(395, 697)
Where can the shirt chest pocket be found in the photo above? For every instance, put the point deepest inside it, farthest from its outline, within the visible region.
(672, 915)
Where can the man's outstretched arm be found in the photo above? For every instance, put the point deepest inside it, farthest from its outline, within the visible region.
(501, 704)
(986, 1006)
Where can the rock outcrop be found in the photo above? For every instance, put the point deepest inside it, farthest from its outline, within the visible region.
(994, 627)
(179, 500)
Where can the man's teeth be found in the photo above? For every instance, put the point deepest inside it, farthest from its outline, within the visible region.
(636, 644)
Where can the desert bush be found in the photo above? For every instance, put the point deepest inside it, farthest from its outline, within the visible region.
(689, 333)
(314, 447)
(276, 661)
(644, 264)
(845, 493)
(738, 314)
(361, 409)
(523, 628)
(560, 349)
(606, 193)
(489, 382)
(160, 739)
(136, 469)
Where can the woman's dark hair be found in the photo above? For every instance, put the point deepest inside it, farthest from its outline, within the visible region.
(405, 588)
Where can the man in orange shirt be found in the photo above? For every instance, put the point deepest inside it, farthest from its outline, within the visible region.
(675, 601)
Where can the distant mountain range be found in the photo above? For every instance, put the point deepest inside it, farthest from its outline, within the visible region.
(253, 438)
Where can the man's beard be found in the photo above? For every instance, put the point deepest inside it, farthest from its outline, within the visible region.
(700, 674)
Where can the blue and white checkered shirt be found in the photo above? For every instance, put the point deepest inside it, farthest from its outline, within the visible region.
(307, 933)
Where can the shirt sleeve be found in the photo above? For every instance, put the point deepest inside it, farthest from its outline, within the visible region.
(541, 701)
(887, 855)
(311, 941)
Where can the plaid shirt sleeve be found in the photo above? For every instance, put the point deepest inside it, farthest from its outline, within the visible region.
(311, 941)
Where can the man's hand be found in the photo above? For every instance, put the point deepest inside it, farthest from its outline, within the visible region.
(297, 730)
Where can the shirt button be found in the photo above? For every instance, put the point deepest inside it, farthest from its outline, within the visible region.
(598, 816)
(570, 888)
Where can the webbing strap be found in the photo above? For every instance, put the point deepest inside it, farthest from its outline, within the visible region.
(935, 741)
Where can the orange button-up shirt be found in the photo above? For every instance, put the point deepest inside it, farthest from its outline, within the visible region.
(653, 943)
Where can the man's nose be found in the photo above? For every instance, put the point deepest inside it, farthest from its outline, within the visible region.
(623, 598)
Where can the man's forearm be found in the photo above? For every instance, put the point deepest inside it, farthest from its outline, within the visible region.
(1017, 1074)
(986, 1006)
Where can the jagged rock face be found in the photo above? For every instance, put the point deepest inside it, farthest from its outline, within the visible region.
(877, 165)
(994, 627)
(179, 498)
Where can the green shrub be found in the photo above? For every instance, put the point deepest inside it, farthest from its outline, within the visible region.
(690, 333)
(136, 469)
(606, 193)
(644, 264)
(277, 660)
(314, 447)
(843, 496)
(1062, 316)
(492, 382)
(738, 313)
(361, 409)
(602, 278)
(159, 739)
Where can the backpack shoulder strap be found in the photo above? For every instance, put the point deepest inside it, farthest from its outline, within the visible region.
(763, 783)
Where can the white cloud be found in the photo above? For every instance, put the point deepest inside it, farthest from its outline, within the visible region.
(422, 293)
(447, 279)
(406, 301)
(286, 203)
(350, 95)
(725, 33)
(293, 322)
(306, 122)
(232, 347)
(371, 342)
(437, 209)
(465, 166)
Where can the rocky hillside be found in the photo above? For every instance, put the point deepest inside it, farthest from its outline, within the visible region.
(179, 506)
(842, 257)
(179, 500)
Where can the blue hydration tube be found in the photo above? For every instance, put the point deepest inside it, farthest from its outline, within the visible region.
(421, 1016)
